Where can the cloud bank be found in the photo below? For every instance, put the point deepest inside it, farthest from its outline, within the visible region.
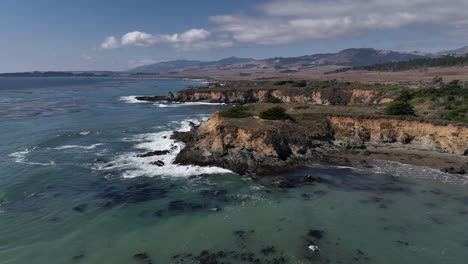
(291, 21)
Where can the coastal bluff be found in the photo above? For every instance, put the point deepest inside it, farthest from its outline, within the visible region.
(256, 146)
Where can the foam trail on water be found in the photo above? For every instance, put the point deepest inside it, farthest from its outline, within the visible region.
(136, 166)
(420, 172)
(20, 157)
(78, 146)
(174, 104)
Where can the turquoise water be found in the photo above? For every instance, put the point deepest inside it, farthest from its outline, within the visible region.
(73, 191)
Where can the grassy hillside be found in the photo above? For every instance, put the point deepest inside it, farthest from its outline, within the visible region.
(445, 61)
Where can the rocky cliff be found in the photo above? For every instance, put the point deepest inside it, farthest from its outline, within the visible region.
(318, 96)
(442, 137)
(256, 146)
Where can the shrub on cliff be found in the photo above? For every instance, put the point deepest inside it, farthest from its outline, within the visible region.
(399, 108)
(273, 100)
(236, 112)
(275, 113)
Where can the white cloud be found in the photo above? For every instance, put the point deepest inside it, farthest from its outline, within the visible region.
(110, 43)
(139, 39)
(190, 36)
(194, 39)
(289, 21)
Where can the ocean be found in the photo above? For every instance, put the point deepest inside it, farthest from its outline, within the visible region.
(73, 190)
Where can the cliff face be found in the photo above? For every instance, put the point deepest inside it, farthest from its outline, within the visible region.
(256, 146)
(252, 145)
(321, 96)
(443, 138)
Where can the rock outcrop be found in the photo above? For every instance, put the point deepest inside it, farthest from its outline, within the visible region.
(328, 96)
(256, 146)
(442, 137)
(251, 145)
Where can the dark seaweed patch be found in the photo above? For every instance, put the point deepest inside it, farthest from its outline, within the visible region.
(404, 243)
(78, 257)
(318, 234)
(180, 205)
(143, 258)
(80, 208)
(132, 193)
(268, 250)
(218, 257)
(437, 220)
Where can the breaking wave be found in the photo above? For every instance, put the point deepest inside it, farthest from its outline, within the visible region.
(135, 166)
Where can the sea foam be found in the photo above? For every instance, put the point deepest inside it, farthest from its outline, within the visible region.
(134, 166)
(131, 99)
(78, 146)
(20, 157)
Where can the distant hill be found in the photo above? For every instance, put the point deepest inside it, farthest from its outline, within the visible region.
(459, 52)
(169, 66)
(348, 57)
(441, 61)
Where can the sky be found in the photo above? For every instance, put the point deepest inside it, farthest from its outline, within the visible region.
(121, 34)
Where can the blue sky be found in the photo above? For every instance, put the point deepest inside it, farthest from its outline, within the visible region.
(118, 34)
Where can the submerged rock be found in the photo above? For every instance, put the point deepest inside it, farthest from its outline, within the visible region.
(153, 153)
(158, 163)
(452, 170)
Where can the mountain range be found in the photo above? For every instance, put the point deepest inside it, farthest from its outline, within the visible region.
(349, 57)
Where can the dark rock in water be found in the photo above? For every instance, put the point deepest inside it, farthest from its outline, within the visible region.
(318, 234)
(154, 153)
(310, 178)
(80, 208)
(143, 258)
(158, 163)
(365, 164)
(453, 170)
(152, 98)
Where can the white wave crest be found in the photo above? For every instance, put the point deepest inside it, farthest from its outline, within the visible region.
(20, 157)
(78, 146)
(136, 166)
(176, 104)
(131, 99)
